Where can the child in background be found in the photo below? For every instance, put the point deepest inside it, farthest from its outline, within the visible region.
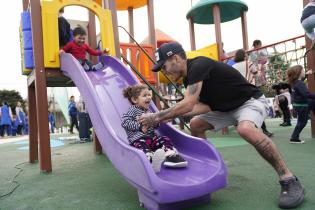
(14, 126)
(51, 121)
(73, 113)
(300, 100)
(20, 118)
(157, 148)
(78, 49)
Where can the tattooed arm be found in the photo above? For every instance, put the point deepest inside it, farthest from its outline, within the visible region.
(185, 106)
(199, 108)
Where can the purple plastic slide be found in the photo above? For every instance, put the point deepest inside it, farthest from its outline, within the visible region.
(170, 188)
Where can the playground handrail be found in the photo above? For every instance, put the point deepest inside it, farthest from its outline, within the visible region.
(266, 46)
(152, 60)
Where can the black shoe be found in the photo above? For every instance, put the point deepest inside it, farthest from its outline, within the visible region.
(296, 141)
(175, 161)
(292, 193)
(285, 124)
(267, 133)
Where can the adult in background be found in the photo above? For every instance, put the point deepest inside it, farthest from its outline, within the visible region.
(248, 71)
(73, 113)
(237, 102)
(64, 29)
(283, 101)
(6, 119)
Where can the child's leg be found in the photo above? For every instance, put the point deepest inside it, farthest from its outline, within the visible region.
(142, 144)
(302, 118)
(86, 64)
(162, 142)
(309, 25)
(172, 158)
(97, 66)
(89, 64)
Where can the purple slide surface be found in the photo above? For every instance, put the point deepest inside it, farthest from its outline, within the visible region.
(170, 188)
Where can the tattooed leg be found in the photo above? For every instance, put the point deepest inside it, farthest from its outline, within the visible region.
(265, 147)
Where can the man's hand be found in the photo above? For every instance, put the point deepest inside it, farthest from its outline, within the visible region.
(144, 128)
(149, 119)
(61, 51)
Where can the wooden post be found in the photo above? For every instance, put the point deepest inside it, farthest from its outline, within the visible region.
(244, 30)
(192, 34)
(32, 122)
(152, 39)
(112, 7)
(97, 145)
(217, 25)
(131, 24)
(310, 65)
(92, 35)
(40, 88)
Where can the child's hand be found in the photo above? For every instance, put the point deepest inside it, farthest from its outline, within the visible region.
(106, 51)
(145, 128)
(309, 72)
(61, 51)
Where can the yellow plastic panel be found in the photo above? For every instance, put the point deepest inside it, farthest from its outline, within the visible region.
(50, 10)
(125, 4)
(210, 51)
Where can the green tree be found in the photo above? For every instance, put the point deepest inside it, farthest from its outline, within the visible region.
(11, 97)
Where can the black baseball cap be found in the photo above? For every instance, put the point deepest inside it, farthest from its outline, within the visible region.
(164, 52)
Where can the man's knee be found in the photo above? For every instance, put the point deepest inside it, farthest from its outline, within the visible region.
(245, 129)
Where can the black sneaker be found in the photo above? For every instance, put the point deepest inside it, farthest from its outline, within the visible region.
(267, 133)
(292, 193)
(285, 124)
(175, 161)
(296, 141)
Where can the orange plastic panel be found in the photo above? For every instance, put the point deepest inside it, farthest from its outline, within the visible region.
(100, 2)
(125, 4)
(140, 60)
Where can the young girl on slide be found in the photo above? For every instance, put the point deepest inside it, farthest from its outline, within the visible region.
(157, 148)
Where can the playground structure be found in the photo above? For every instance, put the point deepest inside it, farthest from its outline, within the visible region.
(102, 94)
(152, 188)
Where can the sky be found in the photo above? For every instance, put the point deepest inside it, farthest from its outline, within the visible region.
(268, 20)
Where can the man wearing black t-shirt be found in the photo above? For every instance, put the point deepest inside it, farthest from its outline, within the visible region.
(219, 96)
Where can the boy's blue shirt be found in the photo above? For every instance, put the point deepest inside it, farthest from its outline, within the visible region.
(73, 111)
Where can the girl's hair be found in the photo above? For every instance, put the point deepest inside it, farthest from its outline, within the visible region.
(240, 55)
(133, 91)
(294, 73)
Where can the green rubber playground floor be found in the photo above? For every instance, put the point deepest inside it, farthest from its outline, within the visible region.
(82, 180)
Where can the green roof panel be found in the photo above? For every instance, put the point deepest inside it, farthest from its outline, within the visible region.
(229, 10)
